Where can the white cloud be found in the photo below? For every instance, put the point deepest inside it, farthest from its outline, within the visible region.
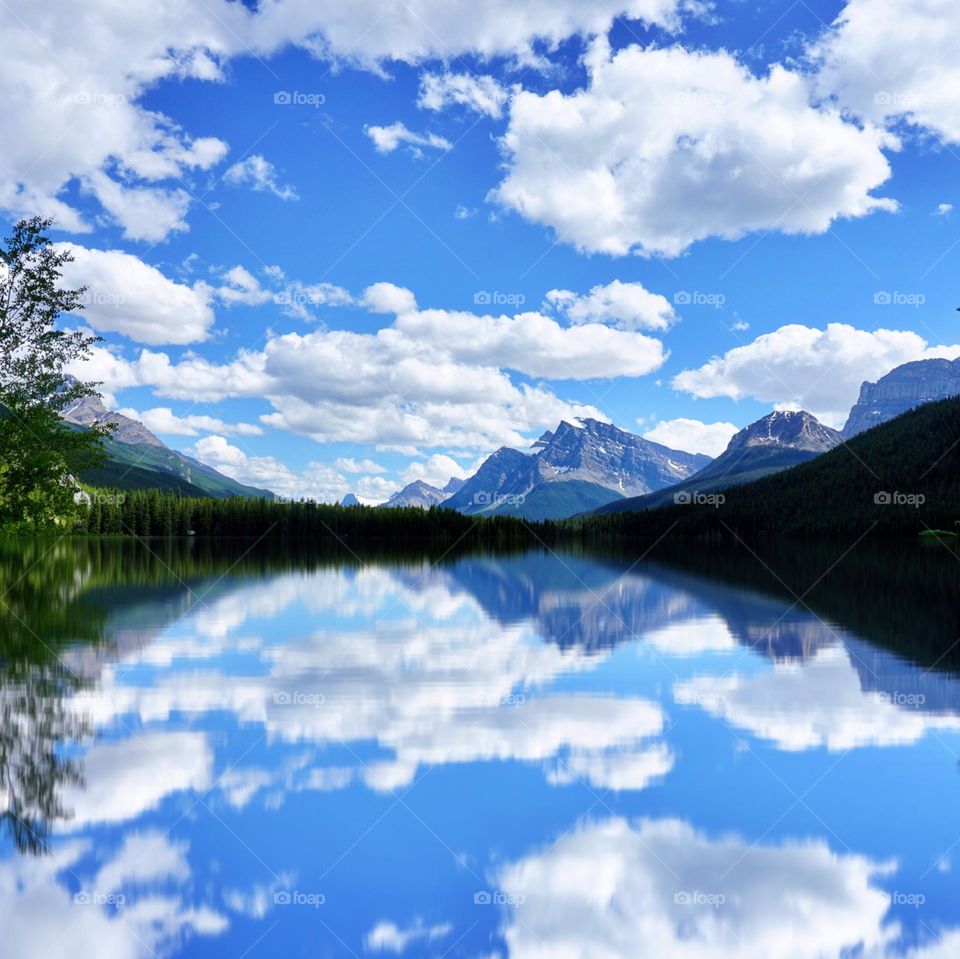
(819, 704)
(693, 436)
(387, 139)
(535, 344)
(317, 481)
(437, 470)
(483, 94)
(627, 306)
(464, 212)
(259, 174)
(350, 465)
(603, 888)
(72, 86)
(162, 419)
(665, 147)
(366, 32)
(895, 59)
(388, 298)
(943, 209)
(124, 779)
(430, 379)
(127, 296)
(41, 916)
(800, 367)
(389, 937)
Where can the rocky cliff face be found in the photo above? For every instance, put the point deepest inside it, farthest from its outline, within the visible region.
(903, 388)
(90, 411)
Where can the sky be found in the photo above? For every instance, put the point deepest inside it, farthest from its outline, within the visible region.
(336, 248)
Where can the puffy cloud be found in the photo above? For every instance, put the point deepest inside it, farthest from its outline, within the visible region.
(800, 367)
(388, 298)
(241, 286)
(436, 470)
(350, 465)
(887, 60)
(259, 174)
(124, 779)
(127, 296)
(389, 937)
(483, 94)
(41, 916)
(317, 481)
(693, 436)
(665, 147)
(162, 419)
(535, 344)
(821, 703)
(627, 306)
(71, 86)
(387, 139)
(366, 32)
(603, 888)
(432, 378)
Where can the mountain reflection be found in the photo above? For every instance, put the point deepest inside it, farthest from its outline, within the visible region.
(608, 743)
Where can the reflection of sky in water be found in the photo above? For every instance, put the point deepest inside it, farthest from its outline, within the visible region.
(531, 758)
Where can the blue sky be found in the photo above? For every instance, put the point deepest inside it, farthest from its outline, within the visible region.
(334, 231)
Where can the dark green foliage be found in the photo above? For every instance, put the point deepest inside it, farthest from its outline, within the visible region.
(915, 455)
(38, 453)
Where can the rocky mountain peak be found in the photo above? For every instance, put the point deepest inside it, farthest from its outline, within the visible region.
(787, 429)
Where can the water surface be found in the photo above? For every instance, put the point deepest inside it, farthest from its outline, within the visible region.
(535, 755)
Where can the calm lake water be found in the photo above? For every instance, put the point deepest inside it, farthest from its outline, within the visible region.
(258, 755)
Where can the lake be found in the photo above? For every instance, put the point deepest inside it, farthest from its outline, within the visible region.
(242, 751)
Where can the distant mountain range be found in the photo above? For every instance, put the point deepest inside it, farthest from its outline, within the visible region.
(572, 469)
(775, 442)
(419, 493)
(137, 459)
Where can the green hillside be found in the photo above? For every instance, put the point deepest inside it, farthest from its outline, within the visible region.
(139, 466)
(557, 500)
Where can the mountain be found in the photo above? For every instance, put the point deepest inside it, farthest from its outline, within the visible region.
(773, 443)
(90, 411)
(903, 388)
(138, 460)
(350, 500)
(419, 493)
(572, 469)
(899, 478)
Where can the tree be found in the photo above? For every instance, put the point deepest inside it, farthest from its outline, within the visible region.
(39, 452)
